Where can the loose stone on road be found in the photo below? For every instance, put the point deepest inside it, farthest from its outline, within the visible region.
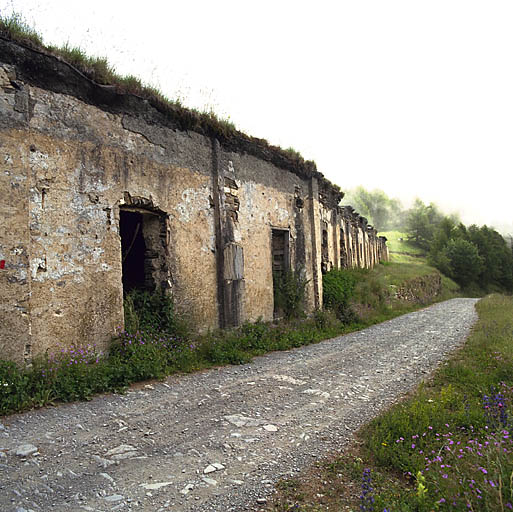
(219, 440)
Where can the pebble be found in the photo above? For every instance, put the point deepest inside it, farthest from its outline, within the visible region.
(25, 450)
(187, 489)
(120, 450)
(103, 462)
(155, 486)
(113, 498)
(108, 477)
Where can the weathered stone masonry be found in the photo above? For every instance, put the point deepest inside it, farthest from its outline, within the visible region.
(101, 190)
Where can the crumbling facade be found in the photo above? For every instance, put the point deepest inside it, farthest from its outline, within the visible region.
(102, 192)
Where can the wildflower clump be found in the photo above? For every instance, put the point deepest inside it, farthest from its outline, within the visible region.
(67, 373)
(465, 467)
(367, 495)
(151, 354)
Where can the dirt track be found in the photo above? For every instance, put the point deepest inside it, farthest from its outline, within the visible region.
(219, 440)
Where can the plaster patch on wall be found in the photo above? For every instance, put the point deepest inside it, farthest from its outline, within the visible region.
(325, 214)
(97, 253)
(36, 265)
(94, 182)
(52, 268)
(17, 178)
(20, 275)
(36, 197)
(249, 209)
(283, 214)
(212, 240)
(193, 202)
(85, 210)
(38, 160)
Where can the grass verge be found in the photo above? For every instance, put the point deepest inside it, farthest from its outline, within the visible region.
(158, 345)
(447, 446)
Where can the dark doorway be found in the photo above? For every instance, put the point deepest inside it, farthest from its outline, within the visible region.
(343, 252)
(144, 249)
(133, 249)
(325, 264)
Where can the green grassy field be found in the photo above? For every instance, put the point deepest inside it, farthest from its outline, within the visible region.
(397, 242)
(408, 262)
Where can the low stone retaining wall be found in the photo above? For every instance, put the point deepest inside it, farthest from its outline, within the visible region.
(423, 289)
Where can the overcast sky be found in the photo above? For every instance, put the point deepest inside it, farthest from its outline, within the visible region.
(412, 97)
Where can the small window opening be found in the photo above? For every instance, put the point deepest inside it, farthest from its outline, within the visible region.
(280, 260)
(280, 250)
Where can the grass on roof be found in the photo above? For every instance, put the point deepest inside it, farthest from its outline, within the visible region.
(98, 69)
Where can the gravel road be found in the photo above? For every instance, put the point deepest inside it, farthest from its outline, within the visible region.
(218, 440)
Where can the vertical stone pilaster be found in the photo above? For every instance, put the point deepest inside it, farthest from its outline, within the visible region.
(315, 221)
(335, 223)
(229, 252)
(216, 188)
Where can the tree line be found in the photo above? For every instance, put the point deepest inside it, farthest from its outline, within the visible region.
(473, 256)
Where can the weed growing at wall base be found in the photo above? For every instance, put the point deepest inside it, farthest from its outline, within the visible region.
(338, 287)
(154, 344)
(77, 373)
(289, 293)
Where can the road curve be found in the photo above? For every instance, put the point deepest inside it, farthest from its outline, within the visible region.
(218, 440)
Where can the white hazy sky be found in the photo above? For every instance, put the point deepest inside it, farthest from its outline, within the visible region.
(412, 97)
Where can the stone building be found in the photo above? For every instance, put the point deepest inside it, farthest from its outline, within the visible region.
(103, 191)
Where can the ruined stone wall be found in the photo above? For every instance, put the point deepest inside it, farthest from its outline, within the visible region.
(360, 245)
(77, 166)
(94, 194)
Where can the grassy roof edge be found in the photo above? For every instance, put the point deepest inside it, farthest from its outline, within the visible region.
(105, 87)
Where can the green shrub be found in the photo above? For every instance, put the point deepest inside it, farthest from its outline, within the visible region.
(465, 263)
(371, 290)
(13, 387)
(289, 292)
(152, 312)
(325, 319)
(337, 289)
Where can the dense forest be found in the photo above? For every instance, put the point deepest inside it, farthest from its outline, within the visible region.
(474, 256)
